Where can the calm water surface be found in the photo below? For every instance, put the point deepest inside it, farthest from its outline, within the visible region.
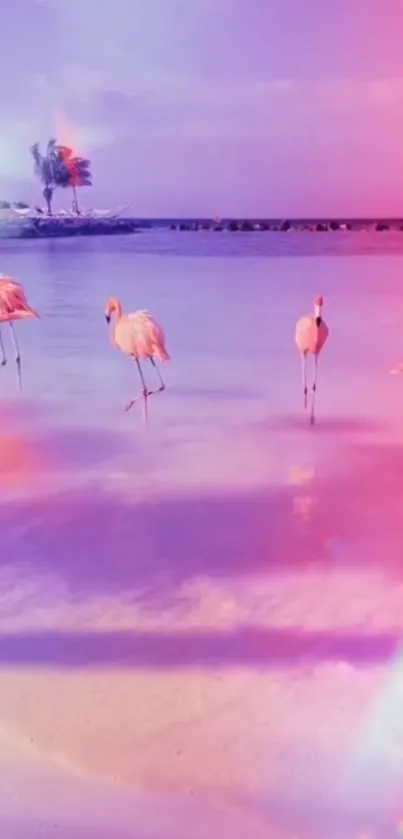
(228, 305)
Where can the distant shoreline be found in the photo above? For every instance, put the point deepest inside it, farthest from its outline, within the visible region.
(44, 227)
(322, 225)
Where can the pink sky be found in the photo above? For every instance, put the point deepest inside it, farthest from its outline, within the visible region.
(205, 107)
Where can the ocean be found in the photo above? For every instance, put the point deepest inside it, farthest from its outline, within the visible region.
(211, 604)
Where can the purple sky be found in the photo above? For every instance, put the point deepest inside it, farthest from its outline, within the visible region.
(210, 107)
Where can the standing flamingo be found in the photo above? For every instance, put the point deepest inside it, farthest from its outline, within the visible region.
(141, 337)
(13, 306)
(311, 334)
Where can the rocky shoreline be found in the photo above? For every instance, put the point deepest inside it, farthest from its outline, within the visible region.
(286, 226)
(44, 227)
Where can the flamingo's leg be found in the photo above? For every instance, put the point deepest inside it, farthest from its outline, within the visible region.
(145, 392)
(160, 379)
(314, 388)
(3, 352)
(304, 382)
(17, 354)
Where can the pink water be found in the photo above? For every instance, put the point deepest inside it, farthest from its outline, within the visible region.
(244, 569)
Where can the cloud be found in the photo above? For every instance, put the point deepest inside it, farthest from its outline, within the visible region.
(226, 109)
(187, 108)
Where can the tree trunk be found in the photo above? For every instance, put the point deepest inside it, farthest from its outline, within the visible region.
(75, 201)
(48, 195)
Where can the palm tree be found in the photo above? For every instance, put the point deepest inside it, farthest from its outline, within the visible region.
(46, 169)
(59, 167)
(74, 171)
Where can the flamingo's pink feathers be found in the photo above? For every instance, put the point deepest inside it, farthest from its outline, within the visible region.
(310, 333)
(138, 334)
(13, 302)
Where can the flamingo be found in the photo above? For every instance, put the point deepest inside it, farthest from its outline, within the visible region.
(311, 334)
(140, 336)
(13, 306)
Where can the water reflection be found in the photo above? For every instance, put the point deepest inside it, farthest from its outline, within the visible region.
(20, 465)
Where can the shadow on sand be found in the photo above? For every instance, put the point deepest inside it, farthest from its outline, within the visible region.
(247, 647)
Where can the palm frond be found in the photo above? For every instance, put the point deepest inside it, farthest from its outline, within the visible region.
(60, 166)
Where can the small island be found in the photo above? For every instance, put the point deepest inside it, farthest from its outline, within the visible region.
(60, 168)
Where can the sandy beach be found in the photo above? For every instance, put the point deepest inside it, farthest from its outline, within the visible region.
(41, 799)
(170, 711)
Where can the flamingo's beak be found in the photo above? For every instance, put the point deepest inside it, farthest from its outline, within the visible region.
(108, 318)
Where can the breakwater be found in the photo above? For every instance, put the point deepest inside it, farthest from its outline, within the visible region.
(43, 227)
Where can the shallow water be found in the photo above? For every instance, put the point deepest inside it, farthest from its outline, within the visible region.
(232, 556)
